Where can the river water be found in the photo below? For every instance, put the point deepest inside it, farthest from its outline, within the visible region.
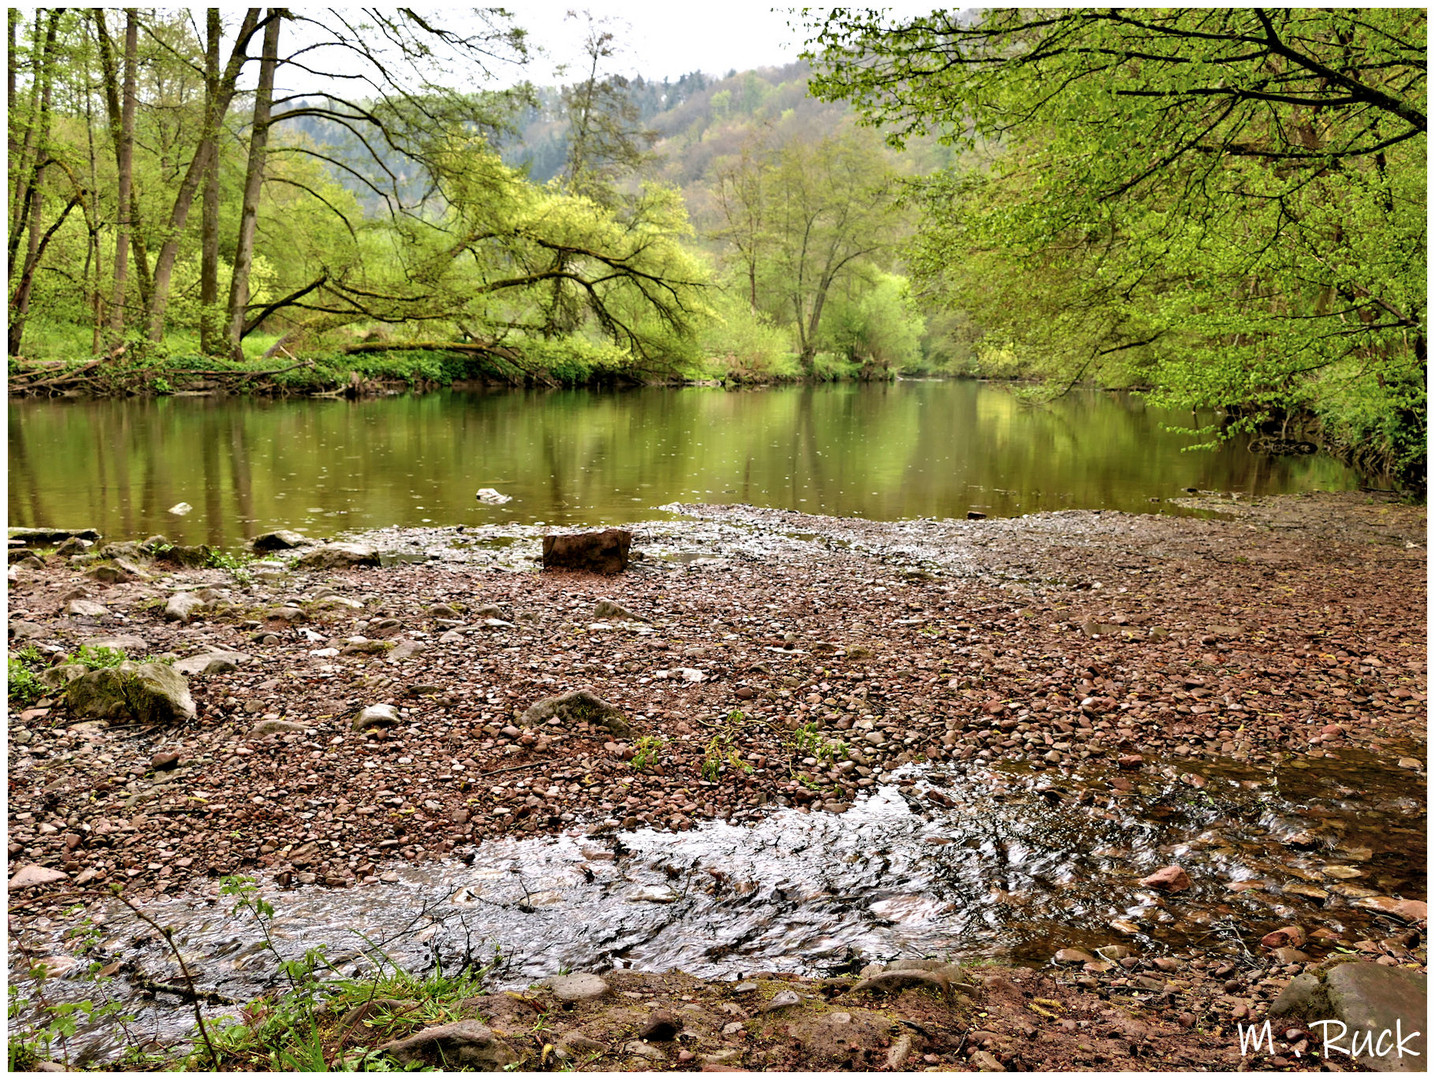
(934, 862)
(564, 457)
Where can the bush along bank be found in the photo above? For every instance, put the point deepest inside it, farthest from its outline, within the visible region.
(380, 368)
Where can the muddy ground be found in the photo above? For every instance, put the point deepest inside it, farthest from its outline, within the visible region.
(774, 659)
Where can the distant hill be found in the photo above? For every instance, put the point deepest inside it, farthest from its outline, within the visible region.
(697, 120)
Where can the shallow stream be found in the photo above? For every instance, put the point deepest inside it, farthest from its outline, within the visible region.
(1003, 861)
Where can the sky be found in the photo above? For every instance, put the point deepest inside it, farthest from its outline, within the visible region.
(663, 39)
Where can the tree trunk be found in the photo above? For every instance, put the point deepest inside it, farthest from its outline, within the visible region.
(214, 113)
(13, 22)
(23, 167)
(253, 186)
(124, 156)
(209, 334)
(38, 137)
(94, 264)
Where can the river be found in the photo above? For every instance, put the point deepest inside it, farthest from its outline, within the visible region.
(564, 457)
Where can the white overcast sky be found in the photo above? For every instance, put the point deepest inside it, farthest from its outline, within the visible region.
(664, 39)
(655, 39)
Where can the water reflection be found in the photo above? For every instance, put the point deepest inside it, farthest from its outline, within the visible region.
(907, 450)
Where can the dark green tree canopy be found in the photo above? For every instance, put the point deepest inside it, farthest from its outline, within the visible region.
(1230, 203)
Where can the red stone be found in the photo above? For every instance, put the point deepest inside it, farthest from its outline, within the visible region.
(1286, 935)
(1168, 879)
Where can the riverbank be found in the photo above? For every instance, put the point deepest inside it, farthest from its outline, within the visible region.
(1096, 662)
(365, 371)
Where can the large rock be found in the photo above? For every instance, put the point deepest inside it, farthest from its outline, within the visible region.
(603, 552)
(337, 556)
(146, 693)
(62, 675)
(182, 607)
(1412, 911)
(211, 662)
(74, 546)
(1363, 1002)
(90, 609)
(280, 540)
(376, 716)
(575, 707)
(185, 554)
(464, 1044)
(130, 643)
(35, 876)
(611, 609)
(124, 549)
(579, 986)
(274, 727)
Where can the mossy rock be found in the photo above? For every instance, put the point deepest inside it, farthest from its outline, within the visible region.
(578, 707)
(145, 693)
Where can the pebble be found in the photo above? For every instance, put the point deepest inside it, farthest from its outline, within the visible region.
(1168, 879)
(985, 1061)
(376, 716)
(579, 986)
(662, 1026)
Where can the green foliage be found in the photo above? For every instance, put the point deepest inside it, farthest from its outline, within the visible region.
(23, 685)
(39, 1028)
(646, 751)
(1226, 204)
(876, 325)
(721, 752)
(236, 563)
(808, 740)
(98, 657)
(285, 1031)
(803, 220)
(745, 345)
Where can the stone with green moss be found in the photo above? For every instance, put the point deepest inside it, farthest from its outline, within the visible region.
(145, 693)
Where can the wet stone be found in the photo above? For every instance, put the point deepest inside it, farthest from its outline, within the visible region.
(1168, 879)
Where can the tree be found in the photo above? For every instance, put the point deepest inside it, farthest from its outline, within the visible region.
(253, 181)
(446, 241)
(121, 103)
(804, 217)
(1231, 200)
(488, 269)
(606, 142)
(29, 174)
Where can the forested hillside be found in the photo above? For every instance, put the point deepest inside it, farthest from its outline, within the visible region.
(608, 228)
(1069, 198)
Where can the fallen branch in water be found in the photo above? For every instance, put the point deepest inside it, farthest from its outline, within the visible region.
(194, 994)
(188, 993)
